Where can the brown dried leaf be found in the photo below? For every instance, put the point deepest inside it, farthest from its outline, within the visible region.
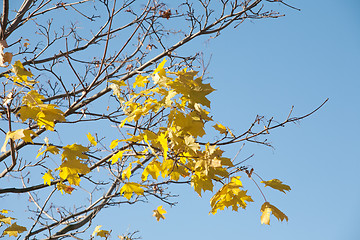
(165, 14)
(129, 67)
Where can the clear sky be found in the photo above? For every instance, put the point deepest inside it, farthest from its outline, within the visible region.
(264, 67)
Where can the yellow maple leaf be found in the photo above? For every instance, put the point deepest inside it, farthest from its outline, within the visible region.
(221, 128)
(74, 151)
(44, 114)
(52, 149)
(153, 168)
(70, 170)
(129, 188)
(48, 177)
(114, 143)
(64, 188)
(14, 230)
(265, 216)
(127, 172)
(140, 81)
(277, 184)
(266, 209)
(230, 195)
(164, 144)
(116, 87)
(48, 115)
(27, 112)
(201, 182)
(21, 74)
(32, 98)
(191, 144)
(24, 134)
(193, 91)
(159, 213)
(6, 220)
(100, 233)
(186, 124)
(160, 66)
(117, 156)
(91, 139)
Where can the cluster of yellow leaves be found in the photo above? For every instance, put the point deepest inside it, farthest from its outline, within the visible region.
(230, 195)
(20, 74)
(44, 114)
(72, 165)
(180, 96)
(13, 229)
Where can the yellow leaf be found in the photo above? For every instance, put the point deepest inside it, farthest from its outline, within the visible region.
(44, 114)
(116, 157)
(221, 128)
(62, 187)
(70, 169)
(266, 209)
(73, 151)
(91, 139)
(100, 233)
(191, 144)
(32, 98)
(52, 149)
(230, 195)
(127, 172)
(27, 112)
(265, 216)
(20, 71)
(14, 230)
(140, 81)
(164, 144)
(153, 168)
(114, 144)
(48, 116)
(6, 220)
(24, 134)
(193, 91)
(21, 74)
(277, 184)
(48, 177)
(160, 66)
(159, 213)
(201, 182)
(129, 188)
(278, 214)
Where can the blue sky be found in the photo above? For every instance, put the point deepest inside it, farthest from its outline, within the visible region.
(264, 67)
